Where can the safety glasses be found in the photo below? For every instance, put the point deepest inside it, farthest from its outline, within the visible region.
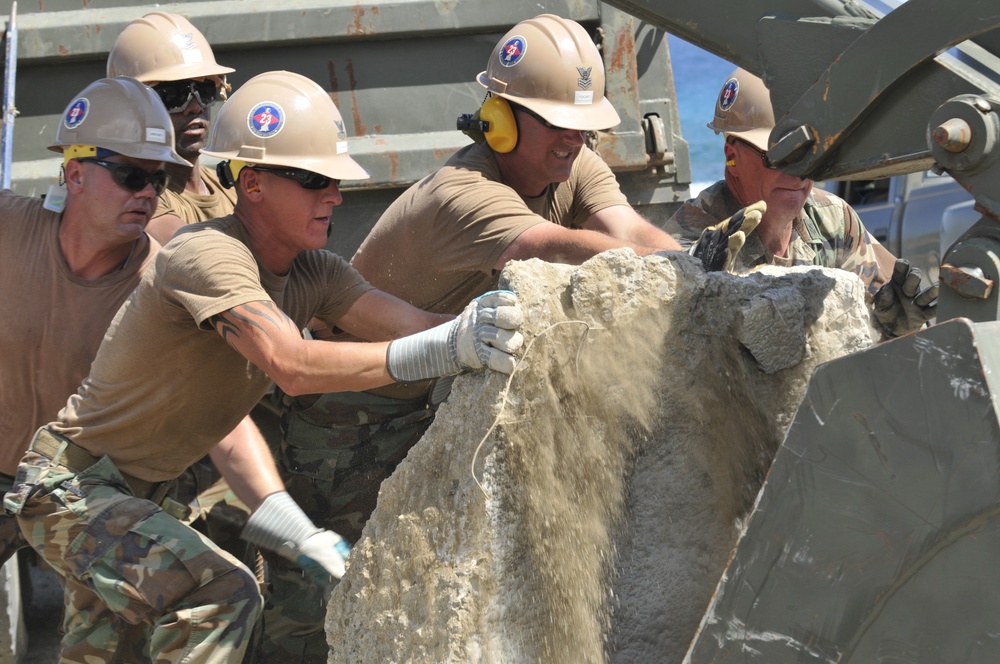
(132, 178)
(545, 123)
(177, 94)
(305, 179)
(757, 151)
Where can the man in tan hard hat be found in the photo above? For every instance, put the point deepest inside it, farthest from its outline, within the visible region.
(168, 53)
(799, 225)
(217, 319)
(528, 187)
(75, 257)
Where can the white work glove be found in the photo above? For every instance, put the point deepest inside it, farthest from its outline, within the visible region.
(484, 335)
(719, 245)
(280, 525)
(900, 307)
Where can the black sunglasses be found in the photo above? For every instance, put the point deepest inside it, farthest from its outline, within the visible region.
(545, 123)
(757, 151)
(305, 179)
(177, 94)
(132, 178)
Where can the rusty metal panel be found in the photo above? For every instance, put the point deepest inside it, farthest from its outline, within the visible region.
(876, 534)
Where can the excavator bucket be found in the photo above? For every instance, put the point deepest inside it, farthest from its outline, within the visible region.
(877, 533)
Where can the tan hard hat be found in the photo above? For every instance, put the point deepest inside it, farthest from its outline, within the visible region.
(163, 47)
(121, 115)
(551, 65)
(280, 118)
(744, 110)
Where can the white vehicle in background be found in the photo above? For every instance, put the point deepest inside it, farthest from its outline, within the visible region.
(908, 213)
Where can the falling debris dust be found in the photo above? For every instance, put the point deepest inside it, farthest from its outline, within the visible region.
(585, 512)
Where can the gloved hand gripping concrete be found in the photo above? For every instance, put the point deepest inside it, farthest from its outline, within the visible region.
(483, 335)
(900, 307)
(719, 245)
(280, 525)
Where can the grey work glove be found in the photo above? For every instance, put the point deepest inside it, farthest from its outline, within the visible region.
(280, 525)
(719, 245)
(483, 335)
(900, 307)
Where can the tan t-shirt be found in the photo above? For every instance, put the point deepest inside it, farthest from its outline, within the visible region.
(54, 321)
(193, 208)
(436, 245)
(166, 387)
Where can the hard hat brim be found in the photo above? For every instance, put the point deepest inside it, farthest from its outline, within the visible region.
(338, 167)
(582, 117)
(204, 70)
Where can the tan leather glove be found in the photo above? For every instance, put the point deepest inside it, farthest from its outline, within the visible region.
(719, 245)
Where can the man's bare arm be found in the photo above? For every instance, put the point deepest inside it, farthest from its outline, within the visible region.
(265, 336)
(612, 228)
(624, 223)
(245, 461)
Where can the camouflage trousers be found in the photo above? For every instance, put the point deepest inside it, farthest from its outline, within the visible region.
(213, 508)
(333, 456)
(140, 585)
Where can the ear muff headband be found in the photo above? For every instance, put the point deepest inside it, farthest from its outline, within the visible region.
(502, 134)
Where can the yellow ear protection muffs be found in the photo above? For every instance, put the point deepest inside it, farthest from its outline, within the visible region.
(495, 123)
(229, 171)
(502, 132)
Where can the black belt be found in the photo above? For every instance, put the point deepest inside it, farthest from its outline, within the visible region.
(64, 452)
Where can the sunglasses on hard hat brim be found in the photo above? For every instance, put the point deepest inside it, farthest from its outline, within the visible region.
(131, 177)
(305, 179)
(176, 94)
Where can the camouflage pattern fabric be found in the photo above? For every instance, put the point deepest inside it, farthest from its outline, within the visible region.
(128, 565)
(334, 452)
(11, 539)
(213, 508)
(828, 232)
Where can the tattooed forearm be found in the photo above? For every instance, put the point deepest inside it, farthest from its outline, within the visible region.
(228, 323)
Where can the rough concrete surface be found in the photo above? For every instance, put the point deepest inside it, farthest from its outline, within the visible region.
(586, 513)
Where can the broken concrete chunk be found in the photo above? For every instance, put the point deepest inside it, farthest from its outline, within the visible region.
(584, 510)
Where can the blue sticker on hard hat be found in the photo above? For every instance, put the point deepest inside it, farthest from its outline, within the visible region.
(513, 50)
(728, 95)
(266, 119)
(76, 113)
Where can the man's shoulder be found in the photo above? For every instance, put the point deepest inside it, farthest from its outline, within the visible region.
(828, 213)
(24, 211)
(712, 205)
(821, 199)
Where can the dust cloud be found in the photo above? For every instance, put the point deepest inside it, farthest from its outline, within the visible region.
(584, 510)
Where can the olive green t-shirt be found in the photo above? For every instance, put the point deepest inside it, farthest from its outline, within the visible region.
(165, 386)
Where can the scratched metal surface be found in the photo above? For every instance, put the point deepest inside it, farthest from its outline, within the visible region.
(876, 535)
